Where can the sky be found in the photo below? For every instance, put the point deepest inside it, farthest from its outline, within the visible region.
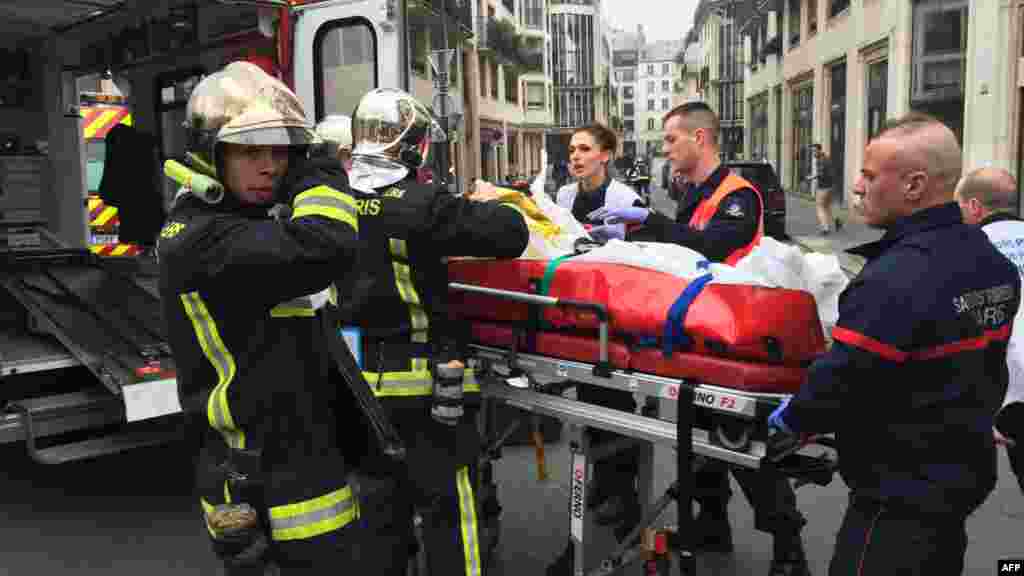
(661, 19)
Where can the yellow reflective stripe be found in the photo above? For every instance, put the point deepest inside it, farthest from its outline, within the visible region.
(313, 517)
(467, 522)
(469, 381)
(99, 122)
(296, 308)
(328, 202)
(120, 249)
(105, 216)
(403, 279)
(405, 383)
(415, 382)
(207, 508)
(398, 248)
(217, 410)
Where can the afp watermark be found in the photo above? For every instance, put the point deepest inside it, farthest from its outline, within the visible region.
(1015, 566)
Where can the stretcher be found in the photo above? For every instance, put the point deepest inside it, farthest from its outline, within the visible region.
(526, 354)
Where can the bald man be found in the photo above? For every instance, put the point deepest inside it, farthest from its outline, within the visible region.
(914, 376)
(988, 198)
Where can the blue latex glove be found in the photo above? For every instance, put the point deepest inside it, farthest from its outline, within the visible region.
(628, 214)
(775, 419)
(607, 232)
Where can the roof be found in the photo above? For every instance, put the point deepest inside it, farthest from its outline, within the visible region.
(661, 50)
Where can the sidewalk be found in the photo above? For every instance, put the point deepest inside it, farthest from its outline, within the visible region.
(802, 227)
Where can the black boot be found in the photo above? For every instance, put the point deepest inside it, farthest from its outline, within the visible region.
(789, 558)
(714, 533)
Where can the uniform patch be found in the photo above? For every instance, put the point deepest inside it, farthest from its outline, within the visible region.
(734, 209)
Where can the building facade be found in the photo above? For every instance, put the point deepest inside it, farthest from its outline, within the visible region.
(657, 92)
(832, 71)
(625, 60)
(512, 95)
(578, 82)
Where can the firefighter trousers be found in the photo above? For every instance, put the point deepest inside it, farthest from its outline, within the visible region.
(450, 529)
(876, 539)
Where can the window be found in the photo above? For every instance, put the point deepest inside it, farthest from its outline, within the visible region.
(483, 77)
(940, 60)
(878, 73)
(664, 103)
(628, 110)
(650, 123)
(837, 6)
(535, 96)
(664, 70)
(629, 75)
(759, 127)
(664, 85)
(812, 17)
(650, 69)
(534, 16)
(629, 126)
(511, 85)
(803, 114)
(650, 86)
(650, 105)
(627, 92)
(346, 67)
(794, 23)
(494, 79)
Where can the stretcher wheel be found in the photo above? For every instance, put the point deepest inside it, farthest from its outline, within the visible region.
(734, 434)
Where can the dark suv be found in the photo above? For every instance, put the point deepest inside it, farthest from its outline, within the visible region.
(762, 175)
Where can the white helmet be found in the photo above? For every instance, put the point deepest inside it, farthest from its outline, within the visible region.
(336, 132)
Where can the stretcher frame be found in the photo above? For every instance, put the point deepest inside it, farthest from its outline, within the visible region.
(740, 439)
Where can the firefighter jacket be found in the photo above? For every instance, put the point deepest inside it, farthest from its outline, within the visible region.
(721, 218)
(916, 371)
(398, 301)
(249, 348)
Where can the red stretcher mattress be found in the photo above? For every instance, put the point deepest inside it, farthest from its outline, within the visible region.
(767, 325)
(736, 374)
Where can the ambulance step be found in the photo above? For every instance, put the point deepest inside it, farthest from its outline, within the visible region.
(37, 417)
(102, 446)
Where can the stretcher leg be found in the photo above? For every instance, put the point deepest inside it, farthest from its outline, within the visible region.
(580, 529)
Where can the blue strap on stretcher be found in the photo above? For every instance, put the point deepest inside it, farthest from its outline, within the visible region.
(674, 336)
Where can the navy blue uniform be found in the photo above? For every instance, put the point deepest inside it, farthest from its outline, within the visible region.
(733, 226)
(911, 384)
(252, 361)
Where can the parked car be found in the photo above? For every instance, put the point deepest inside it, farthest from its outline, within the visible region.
(762, 175)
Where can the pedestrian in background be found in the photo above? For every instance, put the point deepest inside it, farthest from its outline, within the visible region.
(823, 191)
(987, 198)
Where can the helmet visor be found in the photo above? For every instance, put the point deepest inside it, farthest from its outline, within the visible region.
(388, 120)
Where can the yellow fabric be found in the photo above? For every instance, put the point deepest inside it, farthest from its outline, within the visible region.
(218, 413)
(313, 517)
(536, 219)
(468, 523)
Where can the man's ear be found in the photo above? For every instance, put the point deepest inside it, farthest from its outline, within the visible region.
(916, 186)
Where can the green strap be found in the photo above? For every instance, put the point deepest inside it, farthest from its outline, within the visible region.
(549, 273)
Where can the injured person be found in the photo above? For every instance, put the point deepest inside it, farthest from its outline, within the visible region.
(743, 334)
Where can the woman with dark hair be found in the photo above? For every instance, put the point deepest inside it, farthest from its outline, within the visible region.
(590, 150)
(613, 492)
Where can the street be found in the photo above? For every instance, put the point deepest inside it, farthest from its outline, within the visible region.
(134, 514)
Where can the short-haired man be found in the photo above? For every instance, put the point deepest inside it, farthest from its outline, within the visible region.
(911, 383)
(720, 215)
(988, 198)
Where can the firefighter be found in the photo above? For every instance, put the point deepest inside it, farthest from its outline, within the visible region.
(240, 290)
(395, 315)
(918, 456)
(720, 216)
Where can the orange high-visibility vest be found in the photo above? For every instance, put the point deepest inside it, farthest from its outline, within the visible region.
(706, 211)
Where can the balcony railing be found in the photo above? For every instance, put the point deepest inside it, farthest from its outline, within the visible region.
(577, 2)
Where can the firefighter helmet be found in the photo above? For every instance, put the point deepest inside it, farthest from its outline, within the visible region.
(335, 131)
(242, 104)
(391, 125)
